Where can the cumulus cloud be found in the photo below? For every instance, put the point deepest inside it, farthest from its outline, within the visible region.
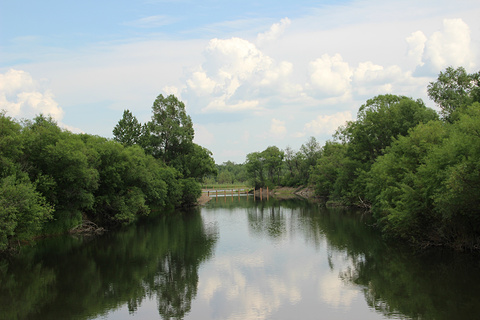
(370, 79)
(275, 31)
(220, 105)
(416, 46)
(235, 76)
(22, 97)
(326, 124)
(330, 76)
(448, 47)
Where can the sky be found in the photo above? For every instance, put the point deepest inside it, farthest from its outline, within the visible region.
(252, 74)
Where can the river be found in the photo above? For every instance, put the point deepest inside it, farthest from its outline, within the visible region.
(239, 258)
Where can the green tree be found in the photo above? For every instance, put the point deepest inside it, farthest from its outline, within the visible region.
(196, 164)
(255, 169)
(10, 145)
(309, 153)
(59, 163)
(273, 163)
(128, 130)
(22, 210)
(326, 171)
(401, 200)
(379, 121)
(171, 129)
(454, 90)
(129, 182)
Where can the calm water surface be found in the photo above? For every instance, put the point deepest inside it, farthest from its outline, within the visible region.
(239, 259)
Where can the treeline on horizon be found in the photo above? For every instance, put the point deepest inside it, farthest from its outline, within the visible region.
(51, 180)
(416, 170)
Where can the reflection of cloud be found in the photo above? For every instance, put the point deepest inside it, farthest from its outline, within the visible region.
(249, 290)
(334, 292)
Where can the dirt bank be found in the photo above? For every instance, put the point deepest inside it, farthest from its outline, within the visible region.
(204, 198)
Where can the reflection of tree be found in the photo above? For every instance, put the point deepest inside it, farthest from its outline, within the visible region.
(396, 281)
(175, 287)
(22, 293)
(269, 220)
(158, 258)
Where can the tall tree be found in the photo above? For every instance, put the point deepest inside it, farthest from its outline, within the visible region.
(171, 129)
(454, 90)
(128, 130)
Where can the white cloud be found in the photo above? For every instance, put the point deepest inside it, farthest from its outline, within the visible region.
(220, 105)
(416, 46)
(450, 47)
(275, 31)
(22, 97)
(201, 84)
(168, 90)
(277, 128)
(327, 124)
(370, 79)
(235, 76)
(330, 76)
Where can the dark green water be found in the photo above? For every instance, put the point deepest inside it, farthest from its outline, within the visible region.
(239, 259)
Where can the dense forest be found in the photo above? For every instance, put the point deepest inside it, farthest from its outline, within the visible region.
(52, 180)
(417, 171)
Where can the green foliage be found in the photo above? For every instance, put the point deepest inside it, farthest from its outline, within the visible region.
(197, 164)
(230, 172)
(454, 90)
(171, 129)
(264, 168)
(59, 163)
(379, 122)
(10, 145)
(22, 210)
(255, 169)
(111, 182)
(128, 131)
(426, 188)
(191, 191)
(169, 138)
(328, 167)
(401, 199)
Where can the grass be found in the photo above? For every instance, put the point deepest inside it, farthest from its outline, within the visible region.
(224, 186)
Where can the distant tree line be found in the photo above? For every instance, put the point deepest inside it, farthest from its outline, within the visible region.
(416, 170)
(51, 179)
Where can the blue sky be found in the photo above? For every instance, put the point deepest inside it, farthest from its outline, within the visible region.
(251, 73)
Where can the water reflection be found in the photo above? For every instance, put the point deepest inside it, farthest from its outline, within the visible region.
(239, 259)
(304, 259)
(84, 278)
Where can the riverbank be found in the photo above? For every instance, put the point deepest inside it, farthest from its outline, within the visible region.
(279, 192)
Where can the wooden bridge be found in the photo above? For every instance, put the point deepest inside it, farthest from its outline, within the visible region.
(237, 192)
